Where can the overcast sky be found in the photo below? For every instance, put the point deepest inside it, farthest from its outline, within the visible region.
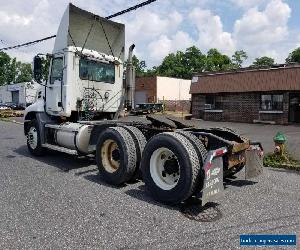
(260, 27)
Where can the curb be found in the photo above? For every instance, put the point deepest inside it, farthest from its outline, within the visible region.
(285, 166)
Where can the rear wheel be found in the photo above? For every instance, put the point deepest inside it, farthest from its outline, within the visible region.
(170, 167)
(34, 139)
(116, 155)
(140, 143)
(201, 152)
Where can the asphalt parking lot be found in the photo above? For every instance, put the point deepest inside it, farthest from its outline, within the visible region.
(59, 202)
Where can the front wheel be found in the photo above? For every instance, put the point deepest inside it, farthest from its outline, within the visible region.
(34, 139)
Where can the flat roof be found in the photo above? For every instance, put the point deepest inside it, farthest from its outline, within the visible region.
(247, 69)
(280, 78)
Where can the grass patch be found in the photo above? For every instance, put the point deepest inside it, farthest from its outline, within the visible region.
(10, 120)
(5, 119)
(281, 161)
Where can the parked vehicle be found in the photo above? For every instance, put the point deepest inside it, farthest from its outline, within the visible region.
(3, 107)
(78, 110)
(14, 106)
(147, 108)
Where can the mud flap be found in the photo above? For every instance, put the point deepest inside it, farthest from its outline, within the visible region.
(213, 181)
(254, 161)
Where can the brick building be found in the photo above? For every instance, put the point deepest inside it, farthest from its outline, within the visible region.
(248, 95)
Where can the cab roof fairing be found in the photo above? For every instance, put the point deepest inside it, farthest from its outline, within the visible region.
(75, 26)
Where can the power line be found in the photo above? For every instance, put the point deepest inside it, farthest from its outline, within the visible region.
(28, 43)
(3, 42)
(135, 7)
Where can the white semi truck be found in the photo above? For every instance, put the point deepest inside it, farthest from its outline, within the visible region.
(77, 113)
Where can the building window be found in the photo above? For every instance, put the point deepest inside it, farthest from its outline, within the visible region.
(272, 102)
(210, 102)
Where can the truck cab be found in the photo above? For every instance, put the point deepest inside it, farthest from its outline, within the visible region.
(89, 82)
(86, 69)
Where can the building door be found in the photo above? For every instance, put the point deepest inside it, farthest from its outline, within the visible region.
(15, 96)
(140, 97)
(294, 108)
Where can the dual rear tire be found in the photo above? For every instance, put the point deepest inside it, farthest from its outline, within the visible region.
(171, 163)
(118, 154)
(172, 167)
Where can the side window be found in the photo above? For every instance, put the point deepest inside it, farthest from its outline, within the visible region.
(277, 102)
(56, 70)
(271, 102)
(83, 70)
(210, 102)
(266, 102)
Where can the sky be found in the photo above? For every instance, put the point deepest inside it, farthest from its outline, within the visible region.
(259, 27)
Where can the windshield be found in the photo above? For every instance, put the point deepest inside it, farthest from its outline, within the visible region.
(96, 71)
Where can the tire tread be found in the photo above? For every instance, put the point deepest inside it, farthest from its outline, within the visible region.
(130, 150)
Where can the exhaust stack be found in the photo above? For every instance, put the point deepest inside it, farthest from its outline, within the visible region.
(130, 80)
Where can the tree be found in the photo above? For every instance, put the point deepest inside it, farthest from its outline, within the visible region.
(151, 72)
(294, 56)
(215, 61)
(172, 65)
(45, 67)
(183, 64)
(13, 71)
(263, 62)
(24, 73)
(4, 66)
(194, 61)
(238, 58)
(140, 66)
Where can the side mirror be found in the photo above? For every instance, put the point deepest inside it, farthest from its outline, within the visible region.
(37, 68)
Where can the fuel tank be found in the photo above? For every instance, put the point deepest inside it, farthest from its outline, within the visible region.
(74, 136)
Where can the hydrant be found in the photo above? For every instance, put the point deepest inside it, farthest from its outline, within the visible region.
(280, 140)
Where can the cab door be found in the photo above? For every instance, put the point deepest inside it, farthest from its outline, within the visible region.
(54, 87)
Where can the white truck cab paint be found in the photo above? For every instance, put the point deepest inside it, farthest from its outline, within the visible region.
(86, 69)
(91, 80)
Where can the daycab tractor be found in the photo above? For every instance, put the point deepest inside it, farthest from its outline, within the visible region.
(77, 113)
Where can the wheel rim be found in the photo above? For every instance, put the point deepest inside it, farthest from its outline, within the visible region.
(164, 168)
(32, 137)
(110, 156)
